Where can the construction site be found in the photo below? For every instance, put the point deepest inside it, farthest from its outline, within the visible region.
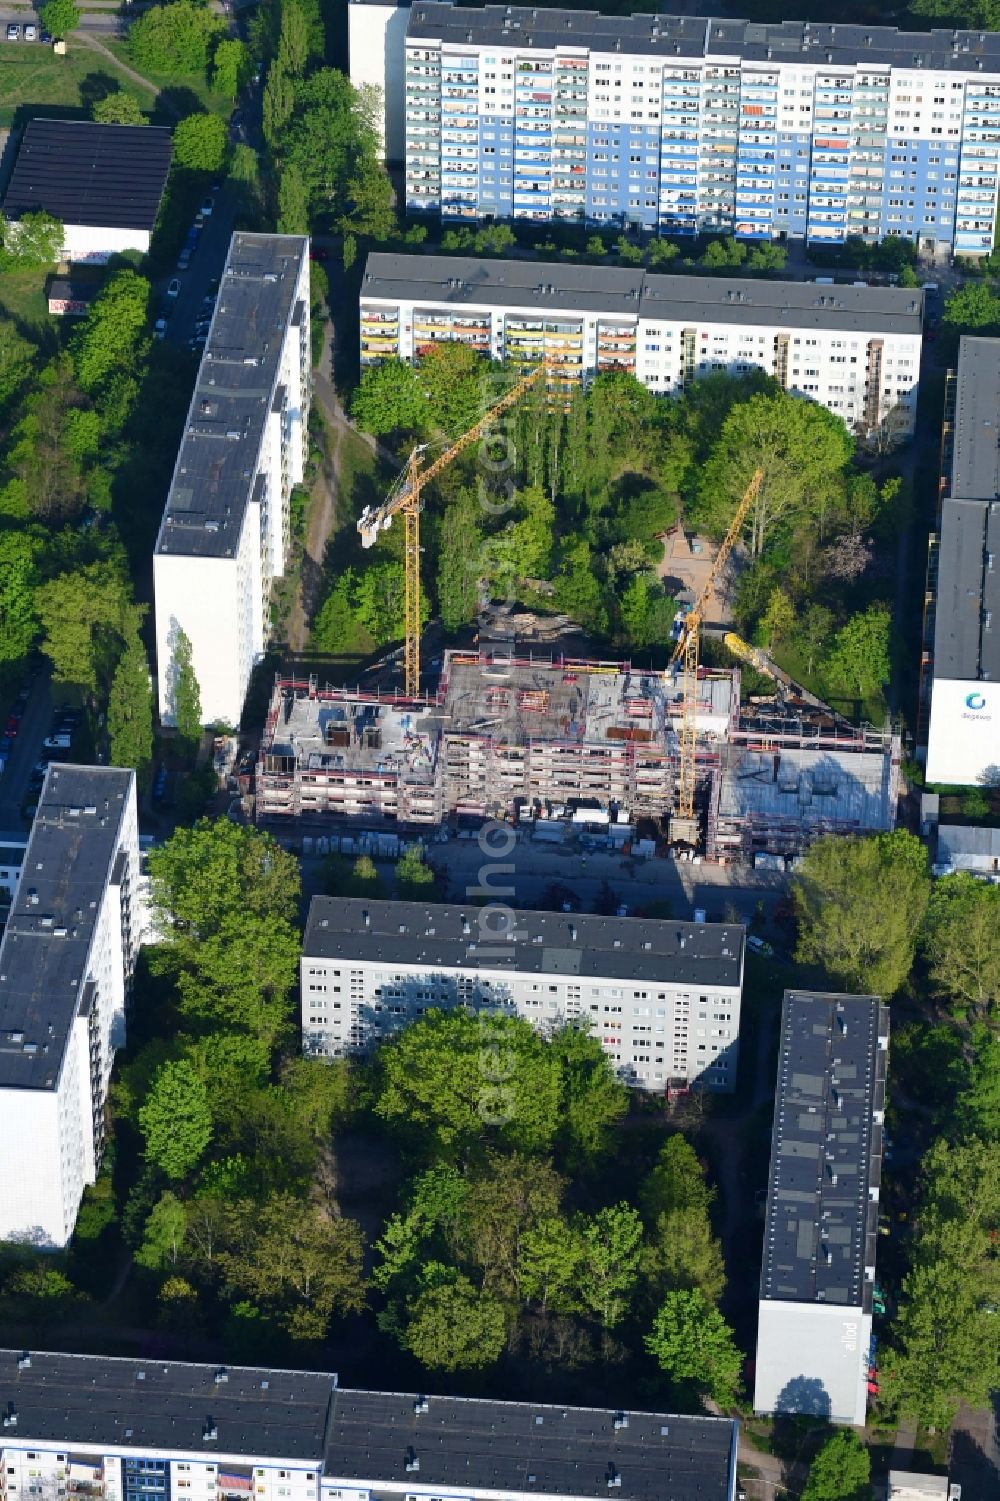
(545, 741)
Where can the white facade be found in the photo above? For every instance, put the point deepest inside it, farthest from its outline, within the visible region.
(805, 1347)
(93, 245)
(77, 908)
(653, 1030)
(225, 532)
(963, 746)
(855, 351)
(376, 39)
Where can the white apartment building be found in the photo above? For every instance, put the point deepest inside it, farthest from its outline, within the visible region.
(224, 537)
(66, 963)
(104, 1429)
(853, 349)
(821, 1231)
(662, 997)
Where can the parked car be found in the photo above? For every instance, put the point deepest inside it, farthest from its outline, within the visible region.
(759, 946)
(56, 742)
(317, 253)
(160, 328)
(30, 33)
(12, 726)
(13, 32)
(207, 207)
(5, 743)
(46, 37)
(174, 287)
(184, 259)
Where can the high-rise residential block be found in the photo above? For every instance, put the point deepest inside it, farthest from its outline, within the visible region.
(224, 537)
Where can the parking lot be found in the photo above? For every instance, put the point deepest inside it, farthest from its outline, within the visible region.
(36, 732)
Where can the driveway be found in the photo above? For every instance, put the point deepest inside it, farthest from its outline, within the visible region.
(26, 749)
(206, 265)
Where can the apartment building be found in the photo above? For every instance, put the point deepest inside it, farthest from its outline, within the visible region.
(853, 349)
(105, 1429)
(821, 1230)
(66, 964)
(685, 124)
(663, 998)
(224, 537)
(961, 664)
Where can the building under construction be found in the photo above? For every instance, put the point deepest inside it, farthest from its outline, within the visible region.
(527, 737)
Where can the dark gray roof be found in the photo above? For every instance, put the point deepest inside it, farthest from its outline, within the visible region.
(112, 176)
(465, 281)
(43, 955)
(975, 464)
(369, 1436)
(826, 1150)
(153, 1404)
(700, 36)
(464, 1444)
(966, 640)
(217, 461)
(60, 288)
(566, 943)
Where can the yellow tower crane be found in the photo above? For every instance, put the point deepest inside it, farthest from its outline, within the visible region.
(406, 498)
(684, 825)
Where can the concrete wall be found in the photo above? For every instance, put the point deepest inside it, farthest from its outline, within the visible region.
(376, 38)
(812, 1358)
(217, 603)
(963, 744)
(91, 244)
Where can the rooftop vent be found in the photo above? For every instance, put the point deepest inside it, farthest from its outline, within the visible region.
(24, 1361)
(421, 1405)
(221, 1376)
(621, 1421)
(210, 1431)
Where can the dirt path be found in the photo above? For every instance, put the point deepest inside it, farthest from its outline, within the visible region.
(87, 39)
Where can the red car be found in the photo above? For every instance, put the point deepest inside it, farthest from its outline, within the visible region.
(13, 725)
(317, 253)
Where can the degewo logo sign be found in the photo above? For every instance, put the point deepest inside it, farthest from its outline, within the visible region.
(976, 703)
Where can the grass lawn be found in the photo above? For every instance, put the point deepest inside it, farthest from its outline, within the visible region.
(189, 91)
(22, 296)
(33, 78)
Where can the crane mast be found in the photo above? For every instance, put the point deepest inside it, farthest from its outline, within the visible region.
(684, 827)
(406, 499)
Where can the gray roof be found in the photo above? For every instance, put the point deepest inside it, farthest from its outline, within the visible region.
(449, 937)
(464, 1444)
(111, 176)
(43, 955)
(968, 590)
(154, 1404)
(826, 1150)
(459, 281)
(461, 1443)
(975, 464)
(957, 841)
(217, 462)
(703, 37)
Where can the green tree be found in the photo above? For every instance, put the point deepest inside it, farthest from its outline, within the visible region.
(692, 1342)
(460, 562)
(858, 659)
(765, 258)
(230, 66)
(454, 1326)
(86, 615)
(414, 877)
(661, 253)
(348, 250)
(452, 377)
(860, 904)
(183, 693)
(173, 39)
(974, 305)
(118, 108)
(200, 142)
(17, 361)
(502, 1202)
(130, 712)
(163, 1236)
(293, 40)
(778, 621)
(113, 338)
(458, 1079)
(813, 630)
(594, 1100)
(612, 1243)
(18, 582)
(243, 167)
(676, 1182)
(179, 1310)
(60, 17)
(278, 103)
(841, 1470)
(978, 1108)
(961, 940)
(32, 241)
(378, 599)
(390, 399)
(175, 1120)
(293, 205)
(550, 1264)
(800, 449)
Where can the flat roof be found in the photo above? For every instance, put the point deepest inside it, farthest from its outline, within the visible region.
(695, 37)
(46, 943)
(817, 788)
(955, 841)
(156, 1404)
(826, 1150)
(216, 464)
(469, 1443)
(112, 176)
(975, 463)
(465, 281)
(564, 943)
(129, 1404)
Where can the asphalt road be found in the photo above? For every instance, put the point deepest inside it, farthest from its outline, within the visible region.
(25, 751)
(206, 265)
